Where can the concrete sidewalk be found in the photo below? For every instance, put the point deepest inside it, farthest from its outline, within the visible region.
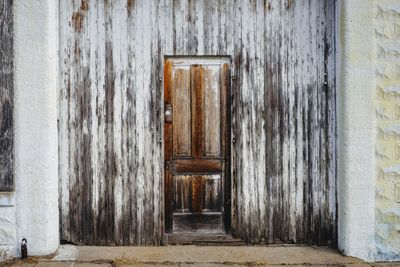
(202, 256)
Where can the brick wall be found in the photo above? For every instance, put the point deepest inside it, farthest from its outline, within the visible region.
(387, 34)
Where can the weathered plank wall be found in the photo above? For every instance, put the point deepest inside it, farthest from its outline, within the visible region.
(283, 115)
(6, 96)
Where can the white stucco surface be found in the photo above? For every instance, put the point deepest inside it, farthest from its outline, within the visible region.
(356, 129)
(387, 103)
(34, 214)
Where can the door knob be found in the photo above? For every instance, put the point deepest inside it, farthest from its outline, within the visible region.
(168, 113)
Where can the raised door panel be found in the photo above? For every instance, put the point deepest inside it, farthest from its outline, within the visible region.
(181, 114)
(212, 111)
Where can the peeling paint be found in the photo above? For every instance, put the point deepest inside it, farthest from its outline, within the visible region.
(283, 115)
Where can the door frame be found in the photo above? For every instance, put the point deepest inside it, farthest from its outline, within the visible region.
(228, 173)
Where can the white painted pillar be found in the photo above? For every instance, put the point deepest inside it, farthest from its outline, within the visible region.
(356, 129)
(36, 141)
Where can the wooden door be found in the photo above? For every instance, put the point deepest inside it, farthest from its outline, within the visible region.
(196, 148)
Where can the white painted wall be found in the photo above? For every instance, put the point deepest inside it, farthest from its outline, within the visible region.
(356, 129)
(32, 210)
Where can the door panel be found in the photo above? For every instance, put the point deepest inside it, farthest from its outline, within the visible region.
(211, 198)
(212, 114)
(209, 223)
(182, 189)
(195, 144)
(197, 204)
(182, 116)
(197, 193)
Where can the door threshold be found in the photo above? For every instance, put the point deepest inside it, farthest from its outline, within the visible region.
(202, 239)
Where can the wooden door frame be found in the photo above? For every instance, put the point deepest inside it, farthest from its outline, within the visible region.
(227, 181)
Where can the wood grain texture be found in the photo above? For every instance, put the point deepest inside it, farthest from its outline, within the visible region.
(168, 168)
(212, 112)
(283, 118)
(6, 96)
(211, 193)
(182, 202)
(206, 224)
(198, 166)
(181, 113)
(197, 194)
(197, 81)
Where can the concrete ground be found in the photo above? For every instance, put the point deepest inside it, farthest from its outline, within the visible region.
(187, 256)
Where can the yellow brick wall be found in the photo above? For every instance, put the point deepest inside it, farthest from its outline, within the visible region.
(387, 37)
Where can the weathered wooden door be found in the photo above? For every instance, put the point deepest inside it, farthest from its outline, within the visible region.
(196, 147)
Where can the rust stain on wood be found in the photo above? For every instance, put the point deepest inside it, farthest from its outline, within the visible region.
(78, 16)
(130, 5)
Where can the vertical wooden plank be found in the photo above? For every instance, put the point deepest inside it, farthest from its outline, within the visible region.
(268, 112)
(330, 87)
(236, 179)
(110, 160)
(100, 166)
(124, 233)
(260, 125)
(299, 19)
(321, 123)
(6, 96)
(131, 131)
(181, 27)
(63, 122)
(313, 144)
(153, 143)
(80, 157)
(291, 212)
(157, 124)
(140, 122)
(93, 63)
